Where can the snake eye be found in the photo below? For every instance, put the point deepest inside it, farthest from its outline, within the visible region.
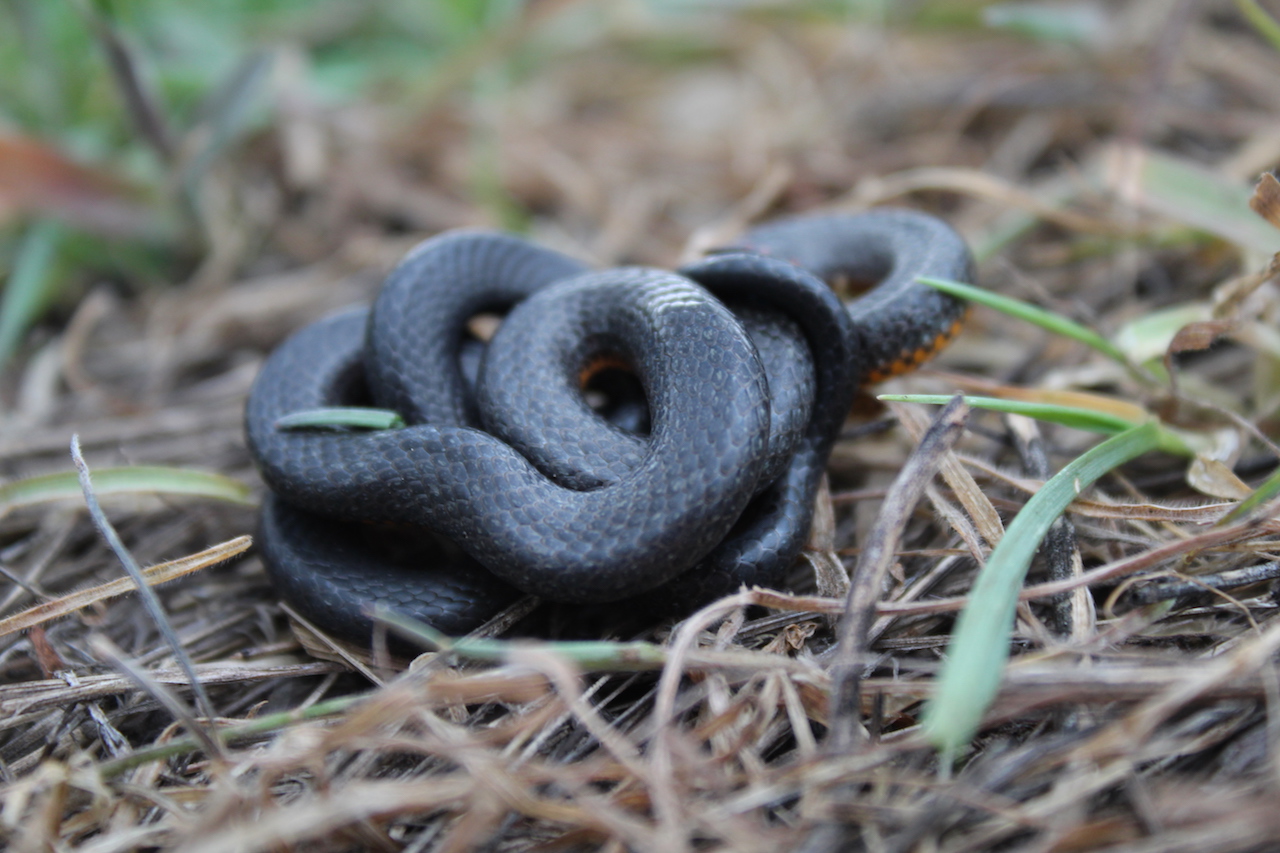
(613, 390)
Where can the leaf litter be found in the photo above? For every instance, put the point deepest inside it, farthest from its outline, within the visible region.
(1104, 177)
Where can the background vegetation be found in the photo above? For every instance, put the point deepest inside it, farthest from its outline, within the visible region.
(184, 184)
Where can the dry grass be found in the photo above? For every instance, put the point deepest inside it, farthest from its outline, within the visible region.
(1134, 716)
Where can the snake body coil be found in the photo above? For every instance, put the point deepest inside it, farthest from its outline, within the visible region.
(748, 363)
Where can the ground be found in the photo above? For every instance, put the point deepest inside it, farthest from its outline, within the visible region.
(180, 190)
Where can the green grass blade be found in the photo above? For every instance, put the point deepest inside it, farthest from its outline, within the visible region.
(110, 481)
(979, 647)
(341, 417)
(1261, 20)
(1071, 416)
(1064, 23)
(228, 734)
(1176, 442)
(1023, 311)
(1147, 338)
(1265, 493)
(1187, 192)
(589, 655)
(27, 290)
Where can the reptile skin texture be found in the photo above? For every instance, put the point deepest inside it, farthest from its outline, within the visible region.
(506, 481)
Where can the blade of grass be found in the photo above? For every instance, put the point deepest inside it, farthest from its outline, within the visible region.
(1148, 337)
(151, 603)
(1187, 192)
(879, 554)
(1032, 314)
(114, 481)
(1264, 494)
(1085, 419)
(1067, 23)
(589, 655)
(1123, 409)
(104, 649)
(1267, 26)
(338, 417)
(158, 574)
(145, 107)
(979, 647)
(27, 289)
(183, 744)
(1171, 441)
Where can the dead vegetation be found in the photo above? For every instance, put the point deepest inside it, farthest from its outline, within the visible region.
(1138, 711)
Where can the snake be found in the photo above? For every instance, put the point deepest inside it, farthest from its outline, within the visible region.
(507, 481)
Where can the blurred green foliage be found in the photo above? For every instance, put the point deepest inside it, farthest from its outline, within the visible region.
(54, 77)
(156, 92)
